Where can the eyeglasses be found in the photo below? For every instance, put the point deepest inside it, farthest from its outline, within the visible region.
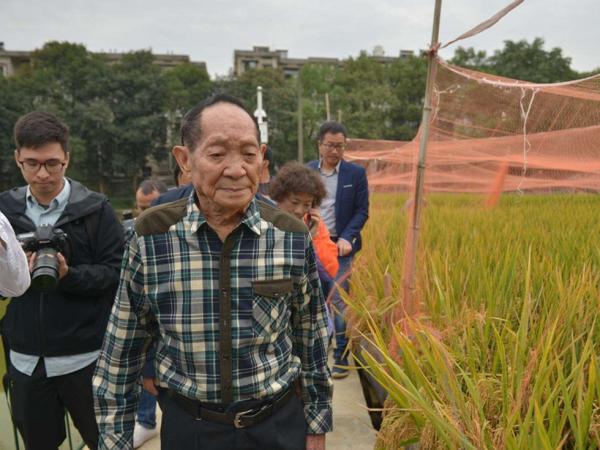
(51, 166)
(332, 146)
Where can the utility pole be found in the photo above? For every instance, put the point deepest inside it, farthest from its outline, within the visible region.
(300, 124)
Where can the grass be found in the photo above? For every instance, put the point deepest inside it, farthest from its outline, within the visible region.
(505, 352)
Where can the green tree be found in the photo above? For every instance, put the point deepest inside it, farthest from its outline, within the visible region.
(525, 61)
(520, 60)
(137, 96)
(61, 80)
(470, 58)
(408, 78)
(15, 100)
(186, 85)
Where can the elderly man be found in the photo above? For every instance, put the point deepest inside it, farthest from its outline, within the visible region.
(228, 288)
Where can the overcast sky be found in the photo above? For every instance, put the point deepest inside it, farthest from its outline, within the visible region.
(210, 30)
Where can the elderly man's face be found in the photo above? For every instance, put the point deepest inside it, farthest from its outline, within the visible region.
(226, 164)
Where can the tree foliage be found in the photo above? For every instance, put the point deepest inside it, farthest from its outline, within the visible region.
(520, 60)
(120, 113)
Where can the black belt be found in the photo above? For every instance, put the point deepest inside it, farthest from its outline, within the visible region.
(241, 419)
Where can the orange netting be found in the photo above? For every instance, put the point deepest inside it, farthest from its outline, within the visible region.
(489, 132)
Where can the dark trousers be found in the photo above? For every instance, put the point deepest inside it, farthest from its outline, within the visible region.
(340, 355)
(284, 430)
(39, 403)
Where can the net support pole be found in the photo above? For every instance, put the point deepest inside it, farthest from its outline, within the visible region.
(409, 305)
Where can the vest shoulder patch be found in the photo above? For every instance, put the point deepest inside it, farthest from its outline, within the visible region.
(281, 219)
(159, 219)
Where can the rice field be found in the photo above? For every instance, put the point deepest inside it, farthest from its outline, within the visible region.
(506, 351)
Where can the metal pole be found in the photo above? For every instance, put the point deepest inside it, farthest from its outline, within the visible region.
(327, 110)
(300, 124)
(409, 304)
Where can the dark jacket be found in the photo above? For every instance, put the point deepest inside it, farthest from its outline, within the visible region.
(73, 318)
(351, 202)
(184, 191)
(173, 194)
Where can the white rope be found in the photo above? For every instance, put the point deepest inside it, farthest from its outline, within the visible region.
(481, 78)
(526, 143)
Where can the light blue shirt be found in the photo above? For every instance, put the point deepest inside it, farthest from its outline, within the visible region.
(47, 215)
(327, 209)
(55, 365)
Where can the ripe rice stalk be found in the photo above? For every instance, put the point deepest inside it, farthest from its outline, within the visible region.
(506, 352)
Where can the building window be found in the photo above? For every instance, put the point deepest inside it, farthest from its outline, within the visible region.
(3, 70)
(291, 73)
(250, 64)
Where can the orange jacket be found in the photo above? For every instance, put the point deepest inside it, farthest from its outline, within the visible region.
(326, 249)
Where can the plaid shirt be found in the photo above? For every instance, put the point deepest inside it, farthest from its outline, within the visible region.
(170, 289)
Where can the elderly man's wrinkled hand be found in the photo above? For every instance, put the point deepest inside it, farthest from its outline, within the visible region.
(150, 386)
(315, 442)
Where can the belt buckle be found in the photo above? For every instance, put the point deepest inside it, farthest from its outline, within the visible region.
(237, 421)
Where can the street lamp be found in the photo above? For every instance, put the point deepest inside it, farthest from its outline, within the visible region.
(261, 117)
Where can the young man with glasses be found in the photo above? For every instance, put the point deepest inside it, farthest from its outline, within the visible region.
(345, 211)
(55, 335)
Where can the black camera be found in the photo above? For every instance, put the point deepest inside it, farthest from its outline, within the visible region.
(46, 241)
(128, 225)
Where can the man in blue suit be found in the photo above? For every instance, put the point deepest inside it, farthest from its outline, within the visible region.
(345, 210)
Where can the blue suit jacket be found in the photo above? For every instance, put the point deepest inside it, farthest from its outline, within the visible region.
(351, 202)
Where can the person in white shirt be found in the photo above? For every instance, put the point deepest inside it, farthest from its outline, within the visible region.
(14, 270)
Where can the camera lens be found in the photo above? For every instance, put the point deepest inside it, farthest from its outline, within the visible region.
(44, 276)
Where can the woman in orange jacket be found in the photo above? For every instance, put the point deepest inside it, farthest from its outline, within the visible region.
(299, 192)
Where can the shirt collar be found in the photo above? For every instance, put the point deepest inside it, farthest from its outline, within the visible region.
(196, 218)
(335, 170)
(60, 201)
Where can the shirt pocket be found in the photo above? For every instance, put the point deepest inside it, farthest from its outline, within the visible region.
(270, 309)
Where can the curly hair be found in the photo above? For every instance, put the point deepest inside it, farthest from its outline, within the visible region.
(294, 178)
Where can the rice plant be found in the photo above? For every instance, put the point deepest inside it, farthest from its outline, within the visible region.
(505, 354)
